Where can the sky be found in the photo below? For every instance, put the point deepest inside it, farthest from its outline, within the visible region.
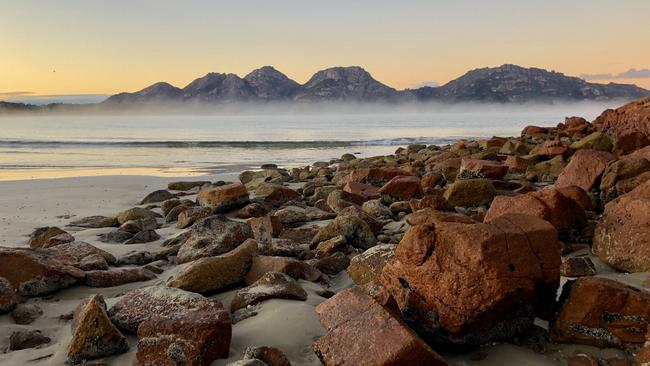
(79, 48)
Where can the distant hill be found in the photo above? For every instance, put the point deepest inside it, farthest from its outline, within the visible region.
(503, 84)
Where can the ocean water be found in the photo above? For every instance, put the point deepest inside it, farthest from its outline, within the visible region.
(41, 146)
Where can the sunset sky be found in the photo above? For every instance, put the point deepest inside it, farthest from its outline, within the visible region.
(103, 47)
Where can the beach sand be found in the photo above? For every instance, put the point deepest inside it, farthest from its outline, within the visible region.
(289, 325)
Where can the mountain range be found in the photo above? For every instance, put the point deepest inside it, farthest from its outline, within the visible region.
(503, 84)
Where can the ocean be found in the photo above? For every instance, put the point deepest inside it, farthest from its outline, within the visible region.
(44, 146)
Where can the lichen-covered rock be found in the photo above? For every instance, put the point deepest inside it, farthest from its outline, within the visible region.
(355, 230)
(211, 274)
(135, 213)
(272, 285)
(93, 334)
(470, 192)
(35, 272)
(602, 313)
(196, 336)
(362, 332)
(367, 266)
(117, 276)
(49, 236)
(157, 196)
(291, 266)
(224, 198)
(212, 236)
(506, 272)
(594, 141)
(622, 236)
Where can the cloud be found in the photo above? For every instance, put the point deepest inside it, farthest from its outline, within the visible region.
(629, 74)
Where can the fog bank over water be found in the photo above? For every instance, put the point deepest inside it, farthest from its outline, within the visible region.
(232, 139)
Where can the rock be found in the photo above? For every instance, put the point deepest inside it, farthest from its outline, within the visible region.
(303, 234)
(157, 196)
(386, 339)
(35, 272)
(367, 266)
(290, 266)
(333, 264)
(552, 148)
(622, 176)
(93, 334)
(186, 186)
(377, 209)
(224, 198)
(577, 267)
(254, 362)
(173, 214)
(95, 222)
(375, 176)
(584, 169)
(39, 238)
(578, 195)
(402, 188)
(643, 356)
(271, 356)
(622, 237)
(265, 228)
(254, 209)
(441, 260)
(356, 232)
(26, 313)
(535, 131)
(630, 141)
(192, 215)
(145, 236)
(24, 339)
(602, 313)
(195, 337)
(169, 204)
(315, 213)
(354, 211)
(272, 285)
(8, 297)
(136, 226)
(475, 168)
(212, 236)
(470, 192)
(276, 194)
(632, 117)
(547, 170)
(118, 276)
(135, 213)
(517, 164)
(514, 147)
(93, 262)
(145, 303)
(291, 215)
(434, 199)
(115, 236)
(281, 247)
(212, 274)
(595, 141)
(367, 191)
(338, 200)
(78, 250)
(328, 247)
(564, 213)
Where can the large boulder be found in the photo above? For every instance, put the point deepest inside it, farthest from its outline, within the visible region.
(360, 331)
(224, 198)
(212, 274)
(595, 141)
(585, 169)
(622, 236)
(622, 176)
(34, 272)
(401, 188)
(632, 117)
(212, 236)
(505, 272)
(93, 334)
(601, 312)
(195, 337)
